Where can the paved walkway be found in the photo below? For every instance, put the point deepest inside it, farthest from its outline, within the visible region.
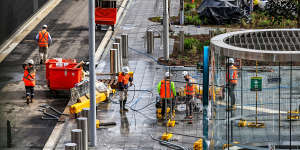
(68, 26)
(134, 129)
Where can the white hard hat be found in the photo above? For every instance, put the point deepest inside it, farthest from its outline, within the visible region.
(184, 73)
(125, 69)
(30, 61)
(231, 60)
(167, 74)
(45, 26)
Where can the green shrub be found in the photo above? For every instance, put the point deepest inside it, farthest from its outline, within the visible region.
(189, 42)
(263, 23)
(188, 20)
(188, 6)
(196, 20)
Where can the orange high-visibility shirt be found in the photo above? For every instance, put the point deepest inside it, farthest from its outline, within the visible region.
(29, 78)
(43, 38)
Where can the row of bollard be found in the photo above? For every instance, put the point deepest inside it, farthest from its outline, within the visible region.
(118, 52)
(79, 136)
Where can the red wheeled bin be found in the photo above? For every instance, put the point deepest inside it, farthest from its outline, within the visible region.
(61, 74)
(105, 13)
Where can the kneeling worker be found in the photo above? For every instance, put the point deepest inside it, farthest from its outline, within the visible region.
(123, 79)
(166, 90)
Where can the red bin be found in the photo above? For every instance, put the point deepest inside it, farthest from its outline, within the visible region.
(62, 76)
(54, 61)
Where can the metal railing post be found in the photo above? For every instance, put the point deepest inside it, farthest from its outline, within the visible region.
(86, 113)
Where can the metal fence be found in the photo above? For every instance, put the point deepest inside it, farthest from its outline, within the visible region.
(269, 109)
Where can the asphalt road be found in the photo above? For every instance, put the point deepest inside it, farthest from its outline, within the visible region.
(68, 26)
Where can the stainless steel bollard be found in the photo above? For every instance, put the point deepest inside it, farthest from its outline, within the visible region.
(70, 146)
(119, 61)
(150, 42)
(76, 137)
(113, 62)
(124, 45)
(119, 40)
(85, 113)
(181, 41)
(82, 124)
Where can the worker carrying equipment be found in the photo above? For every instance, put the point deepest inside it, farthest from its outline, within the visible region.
(232, 81)
(190, 92)
(29, 80)
(123, 79)
(166, 90)
(44, 40)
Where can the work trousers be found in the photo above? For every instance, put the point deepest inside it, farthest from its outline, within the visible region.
(165, 103)
(189, 105)
(231, 93)
(43, 54)
(29, 91)
(123, 94)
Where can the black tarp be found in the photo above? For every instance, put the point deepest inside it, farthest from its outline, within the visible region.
(219, 12)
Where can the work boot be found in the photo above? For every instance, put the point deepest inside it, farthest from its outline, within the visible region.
(31, 100)
(124, 103)
(27, 99)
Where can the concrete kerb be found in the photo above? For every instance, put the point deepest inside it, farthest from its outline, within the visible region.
(10, 44)
(60, 126)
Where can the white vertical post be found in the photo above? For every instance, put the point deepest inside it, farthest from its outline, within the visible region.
(181, 15)
(166, 30)
(92, 72)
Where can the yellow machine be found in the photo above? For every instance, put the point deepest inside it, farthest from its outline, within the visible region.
(198, 145)
(293, 115)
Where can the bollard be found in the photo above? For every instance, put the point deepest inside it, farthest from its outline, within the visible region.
(76, 137)
(113, 63)
(119, 40)
(9, 140)
(124, 45)
(85, 113)
(70, 146)
(119, 61)
(181, 42)
(150, 42)
(82, 124)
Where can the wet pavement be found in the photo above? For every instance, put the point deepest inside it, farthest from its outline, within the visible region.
(68, 26)
(135, 128)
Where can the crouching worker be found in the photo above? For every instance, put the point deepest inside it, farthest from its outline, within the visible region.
(123, 79)
(166, 90)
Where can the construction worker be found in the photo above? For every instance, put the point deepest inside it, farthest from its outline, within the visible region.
(44, 40)
(232, 82)
(123, 80)
(29, 80)
(166, 90)
(190, 92)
